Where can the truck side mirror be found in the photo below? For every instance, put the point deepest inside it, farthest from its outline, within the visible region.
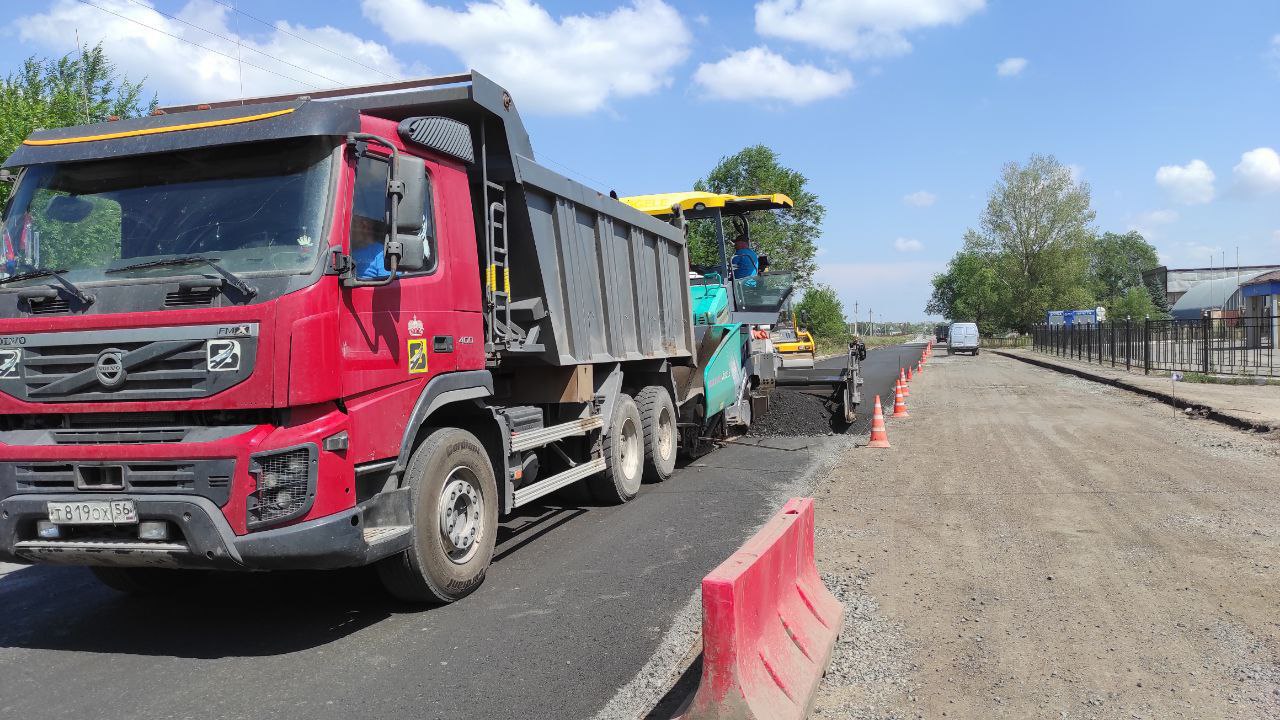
(412, 225)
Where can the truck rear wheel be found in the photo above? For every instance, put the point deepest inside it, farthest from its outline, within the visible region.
(623, 454)
(658, 418)
(454, 514)
(148, 581)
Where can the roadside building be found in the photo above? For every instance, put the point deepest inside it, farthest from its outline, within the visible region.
(1261, 296)
(1178, 281)
(1216, 297)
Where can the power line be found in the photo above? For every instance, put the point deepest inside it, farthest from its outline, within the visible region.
(237, 42)
(335, 53)
(189, 42)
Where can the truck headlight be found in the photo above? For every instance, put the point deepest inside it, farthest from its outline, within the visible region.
(286, 485)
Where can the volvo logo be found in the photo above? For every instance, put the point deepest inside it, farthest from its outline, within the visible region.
(110, 368)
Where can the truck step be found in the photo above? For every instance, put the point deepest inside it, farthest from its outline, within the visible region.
(375, 535)
(542, 436)
(528, 494)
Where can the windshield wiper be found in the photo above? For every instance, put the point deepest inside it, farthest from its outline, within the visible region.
(56, 274)
(231, 279)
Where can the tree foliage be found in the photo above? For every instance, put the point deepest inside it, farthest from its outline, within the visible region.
(787, 237)
(78, 88)
(822, 313)
(1116, 264)
(1035, 250)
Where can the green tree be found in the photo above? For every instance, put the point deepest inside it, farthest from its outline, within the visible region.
(81, 87)
(787, 237)
(1118, 261)
(1037, 229)
(822, 313)
(970, 291)
(1159, 298)
(1134, 303)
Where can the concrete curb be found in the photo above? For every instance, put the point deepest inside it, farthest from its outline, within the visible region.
(1221, 416)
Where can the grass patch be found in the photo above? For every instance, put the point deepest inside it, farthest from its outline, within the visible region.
(1201, 378)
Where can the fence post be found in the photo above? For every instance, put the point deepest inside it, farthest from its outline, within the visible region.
(1113, 343)
(1128, 334)
(1146, 345)
(1204, 330)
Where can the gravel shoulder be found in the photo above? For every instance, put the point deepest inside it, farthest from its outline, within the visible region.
(1039, 546)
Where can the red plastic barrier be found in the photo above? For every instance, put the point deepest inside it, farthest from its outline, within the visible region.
(768, 625)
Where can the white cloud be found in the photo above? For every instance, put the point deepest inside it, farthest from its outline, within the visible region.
(904, 245)
(1273, 53)
(760, 74)
(1151, 224)
(1009, 67)
(1190, 184)
(179, 71)
(920, 198)
(862, 28)
(1258, 172)
(568, 65)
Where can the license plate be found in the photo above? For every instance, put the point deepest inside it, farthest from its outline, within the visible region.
(93, 512)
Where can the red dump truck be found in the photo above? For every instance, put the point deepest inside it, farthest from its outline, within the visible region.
(325, 331)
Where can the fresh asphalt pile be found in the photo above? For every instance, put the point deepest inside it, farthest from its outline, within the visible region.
(794, 413)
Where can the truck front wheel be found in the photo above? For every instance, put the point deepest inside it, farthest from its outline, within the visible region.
(454, 506)
(658, 416)
(623, 454)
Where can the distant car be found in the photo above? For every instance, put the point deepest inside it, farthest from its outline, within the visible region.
(940, 333)
(962, 337)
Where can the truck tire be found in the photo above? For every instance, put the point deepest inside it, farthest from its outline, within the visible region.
(658, 418)
(623, 455)
(454, 516)
(148, 582)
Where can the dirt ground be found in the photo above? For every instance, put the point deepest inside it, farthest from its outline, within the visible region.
(1039, 546)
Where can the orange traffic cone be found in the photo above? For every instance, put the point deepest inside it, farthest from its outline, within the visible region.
(908, 374)
(879, 436)
(899, 404)
(902, 380)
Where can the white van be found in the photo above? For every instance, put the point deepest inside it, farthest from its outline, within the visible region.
(962, 337)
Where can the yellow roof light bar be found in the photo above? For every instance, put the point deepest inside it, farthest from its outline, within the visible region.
(702, 204)
(161, 129)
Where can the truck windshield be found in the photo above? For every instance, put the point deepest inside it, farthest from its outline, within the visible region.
(257, 208)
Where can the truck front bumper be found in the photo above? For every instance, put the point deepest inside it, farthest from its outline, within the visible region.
(202, 539)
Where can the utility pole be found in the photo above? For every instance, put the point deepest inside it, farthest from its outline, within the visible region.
(855, 317)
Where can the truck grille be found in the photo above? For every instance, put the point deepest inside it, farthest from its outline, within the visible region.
(141, 364)
(286, 485)
(207, 478)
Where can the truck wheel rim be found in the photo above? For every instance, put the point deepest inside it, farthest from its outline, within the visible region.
(461, 513)
(666, 434)
(631, 450)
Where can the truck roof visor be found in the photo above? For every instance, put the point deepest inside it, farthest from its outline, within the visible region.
(185, 131)
(441, 134)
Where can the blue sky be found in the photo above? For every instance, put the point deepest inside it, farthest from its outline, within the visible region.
(901, 112)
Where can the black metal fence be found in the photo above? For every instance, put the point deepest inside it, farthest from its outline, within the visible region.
(1218, 346)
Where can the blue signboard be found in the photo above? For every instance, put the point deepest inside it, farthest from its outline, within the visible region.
(1068, 318)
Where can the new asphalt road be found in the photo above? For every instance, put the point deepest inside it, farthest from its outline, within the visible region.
(577, 602)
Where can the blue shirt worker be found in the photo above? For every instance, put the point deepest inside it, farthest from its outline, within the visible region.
(745, 261)
(369, 226)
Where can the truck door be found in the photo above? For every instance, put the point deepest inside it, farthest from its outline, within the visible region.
(401, 332)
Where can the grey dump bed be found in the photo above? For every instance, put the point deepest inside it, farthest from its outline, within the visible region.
(613, 280)
(591, 280)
